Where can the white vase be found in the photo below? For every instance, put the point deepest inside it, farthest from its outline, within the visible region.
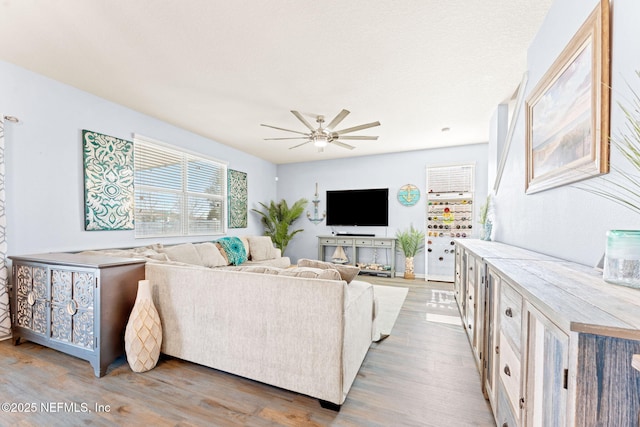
(143, 335)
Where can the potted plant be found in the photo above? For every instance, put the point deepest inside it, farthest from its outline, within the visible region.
(410, 242)
(484, 220)
(622, 252)
(278, 217)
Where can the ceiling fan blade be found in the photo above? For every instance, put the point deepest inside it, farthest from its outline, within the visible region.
(337, 119)
(303, 120)
(286, 130)
(355, 128)
(279, 139)
(343, 145)
(363, 138)
(299, 145)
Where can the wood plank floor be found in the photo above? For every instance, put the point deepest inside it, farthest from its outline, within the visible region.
(422, 375)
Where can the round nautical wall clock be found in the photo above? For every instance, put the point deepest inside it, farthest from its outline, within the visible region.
(408, 195)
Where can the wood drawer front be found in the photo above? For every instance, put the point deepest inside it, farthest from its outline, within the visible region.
(384, 243)
(504, 411)
(345, 241)
(511, 315)
(509, 370)
(363, 242)
(328, 241)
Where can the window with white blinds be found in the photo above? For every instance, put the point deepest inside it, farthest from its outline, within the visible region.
(177, 193)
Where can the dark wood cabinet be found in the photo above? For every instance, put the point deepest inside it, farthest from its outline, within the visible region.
(77, 304)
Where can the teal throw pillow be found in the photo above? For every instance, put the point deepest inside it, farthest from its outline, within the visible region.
(234, 248)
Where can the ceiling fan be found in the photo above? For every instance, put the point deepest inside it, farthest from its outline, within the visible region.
(322, 136)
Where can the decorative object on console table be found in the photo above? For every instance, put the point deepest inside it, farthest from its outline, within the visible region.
(622, 258)
(238, 198)
(143, 335)
(358, 246)
(567, 121)
(339, 256)
(73, 303)
(411, 243)
(5, 320)
(108, 182)
(316, 218)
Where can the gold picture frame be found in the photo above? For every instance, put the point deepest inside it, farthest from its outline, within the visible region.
(567, 113)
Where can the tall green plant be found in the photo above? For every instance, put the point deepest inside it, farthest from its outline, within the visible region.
(624, 187)
(278, 217)
(410, 241)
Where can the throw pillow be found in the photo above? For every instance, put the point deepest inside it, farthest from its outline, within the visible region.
(347, 272)
(260, 248)
(311, 273)
(185, 252)
(210, 255)
(223, 253)
(234, 249)
(245, 242)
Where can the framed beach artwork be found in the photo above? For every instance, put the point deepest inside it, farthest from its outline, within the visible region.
(567, 114)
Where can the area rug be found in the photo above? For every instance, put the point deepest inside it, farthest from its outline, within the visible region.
(389, 302)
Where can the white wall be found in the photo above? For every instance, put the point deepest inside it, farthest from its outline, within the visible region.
(45, 180)
(383, 171)
(567, 222)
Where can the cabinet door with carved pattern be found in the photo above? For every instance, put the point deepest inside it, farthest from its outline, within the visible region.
(72, 307)
(32, 296)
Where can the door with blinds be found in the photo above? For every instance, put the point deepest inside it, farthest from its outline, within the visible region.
(449, 216)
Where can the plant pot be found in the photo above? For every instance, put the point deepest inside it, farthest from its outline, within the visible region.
(408, 268)
(485, 231)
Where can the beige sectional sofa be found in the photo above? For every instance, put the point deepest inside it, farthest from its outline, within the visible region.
(304, 329)
(308, 335)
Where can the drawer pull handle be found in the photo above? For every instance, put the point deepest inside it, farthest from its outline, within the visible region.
(497, 349)
(507, 371)
(522, 403)
(470, 326)
(508, 312)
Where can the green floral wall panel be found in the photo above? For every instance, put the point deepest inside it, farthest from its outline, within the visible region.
(237, 190)
(108, 182)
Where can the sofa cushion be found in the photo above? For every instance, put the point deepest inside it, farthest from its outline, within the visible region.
(245, 242)
(347, 272)
(185, 252)
(311, 273)
(222, 252)
(261, 248)
(210, 255)
(262, 269)
(234, 250)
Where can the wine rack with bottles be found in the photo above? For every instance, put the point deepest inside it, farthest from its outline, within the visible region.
(449, 216)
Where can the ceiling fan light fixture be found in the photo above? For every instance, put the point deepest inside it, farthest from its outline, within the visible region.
(320, 140)
(323, 136)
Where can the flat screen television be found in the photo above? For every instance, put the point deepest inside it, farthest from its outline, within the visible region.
(368, 207)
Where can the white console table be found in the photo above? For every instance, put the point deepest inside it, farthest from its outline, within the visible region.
(359, 242)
